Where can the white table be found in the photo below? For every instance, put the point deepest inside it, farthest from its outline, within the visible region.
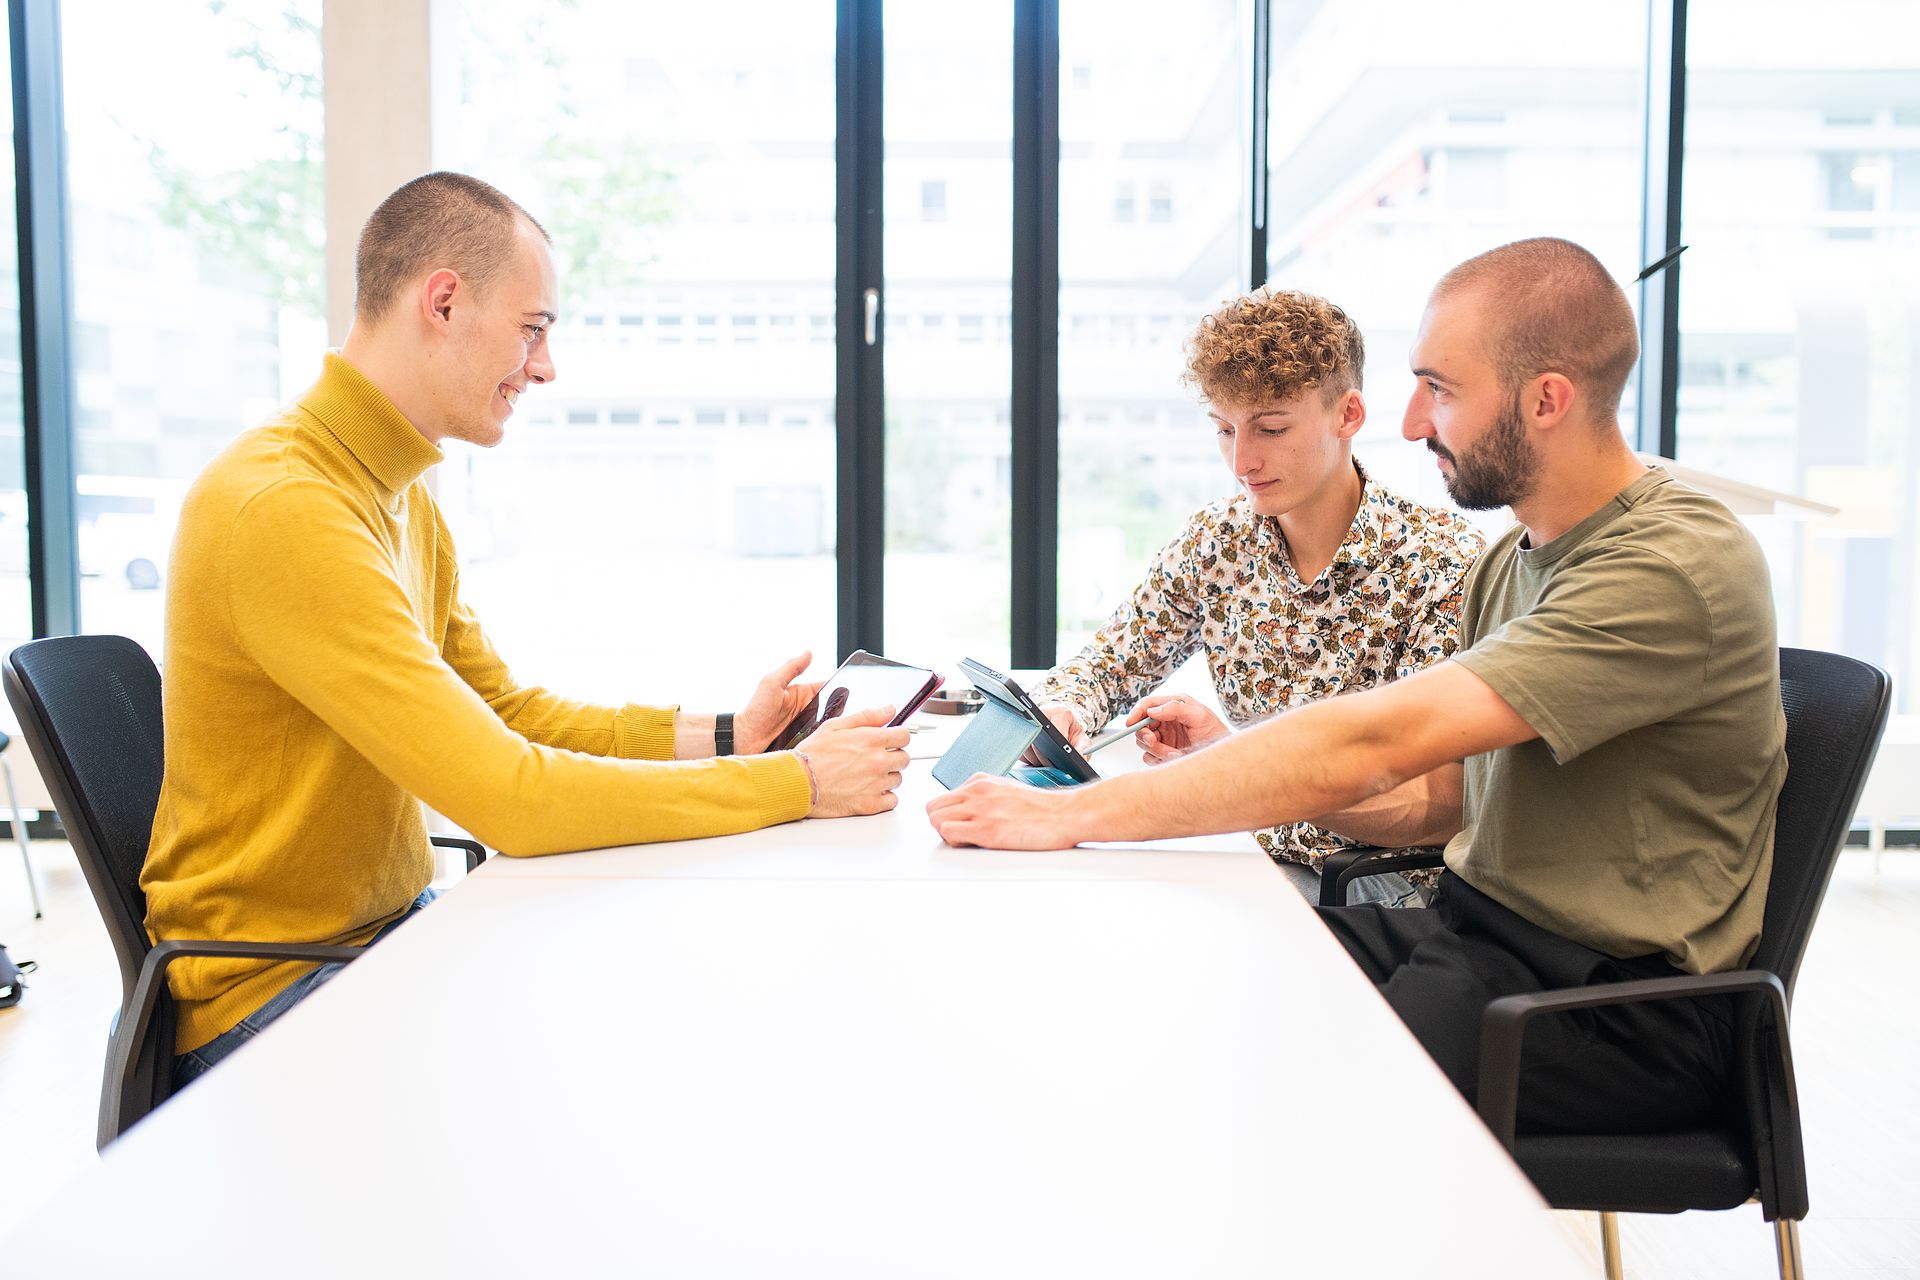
(902, 845)
(830, 1049)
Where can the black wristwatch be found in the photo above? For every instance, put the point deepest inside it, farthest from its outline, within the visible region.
(723, 734)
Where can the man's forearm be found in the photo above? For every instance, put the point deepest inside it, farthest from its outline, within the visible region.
(692, 736)
(1327, 758)
(1420, 811)
(1312, 761)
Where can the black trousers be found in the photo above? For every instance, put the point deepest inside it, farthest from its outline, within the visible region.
(1618, 1069)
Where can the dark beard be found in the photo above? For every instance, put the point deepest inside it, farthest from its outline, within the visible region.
(1498, 471)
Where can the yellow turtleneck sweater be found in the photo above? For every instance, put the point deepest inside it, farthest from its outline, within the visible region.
(323, 678)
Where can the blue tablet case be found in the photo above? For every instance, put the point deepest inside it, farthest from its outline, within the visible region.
(992, 744)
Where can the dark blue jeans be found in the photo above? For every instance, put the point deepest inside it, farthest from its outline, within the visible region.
(194, 1063)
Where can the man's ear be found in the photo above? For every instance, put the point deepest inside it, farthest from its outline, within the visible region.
(1547, 400)
(437, 296)
(1353, 414)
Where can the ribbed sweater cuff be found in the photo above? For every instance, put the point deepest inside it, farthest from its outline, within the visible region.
(780, 785)
(643, 733)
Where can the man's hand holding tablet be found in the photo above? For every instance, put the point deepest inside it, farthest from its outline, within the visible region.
(863, 680)
(856, 761)
(775, 702)
(848, 729)
(853, 760)
(1067, 723)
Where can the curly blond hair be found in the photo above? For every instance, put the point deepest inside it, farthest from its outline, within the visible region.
(1272, 345)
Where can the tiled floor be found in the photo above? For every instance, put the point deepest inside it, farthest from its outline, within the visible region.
(1856, 1036)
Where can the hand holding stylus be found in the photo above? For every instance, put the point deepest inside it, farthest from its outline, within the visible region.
(1174, 725)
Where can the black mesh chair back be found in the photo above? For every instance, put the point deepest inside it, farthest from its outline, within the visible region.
(89, 708)
(1836, 711)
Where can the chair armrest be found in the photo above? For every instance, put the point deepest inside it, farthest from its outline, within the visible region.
(476, 852)
(153, 970)
(1342, 866)
(135, 1019)
(1504, 1025)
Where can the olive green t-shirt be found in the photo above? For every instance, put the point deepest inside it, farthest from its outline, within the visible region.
(1640, 646)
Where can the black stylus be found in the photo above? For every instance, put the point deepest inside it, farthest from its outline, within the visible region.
(1666, 261)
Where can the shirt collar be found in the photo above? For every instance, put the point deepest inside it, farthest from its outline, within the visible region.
(1366, 536)
(362, 418)
(1612, 509)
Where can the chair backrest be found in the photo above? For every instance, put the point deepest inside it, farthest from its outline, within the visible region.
(89, 708)
(1836, 711)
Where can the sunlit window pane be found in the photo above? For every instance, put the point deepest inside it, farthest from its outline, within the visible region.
(1153, 157)
(1408, 136)
(197, 239)
(948, 104)
(16, 609)
(660, 521)
(1800, 337)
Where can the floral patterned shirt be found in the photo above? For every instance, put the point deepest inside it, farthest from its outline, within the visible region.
(1387, 606)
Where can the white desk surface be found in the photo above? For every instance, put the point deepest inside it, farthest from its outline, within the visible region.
(666, 1076)
(832, 1048)
(898, 845)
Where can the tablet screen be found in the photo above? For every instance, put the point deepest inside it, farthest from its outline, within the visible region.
(865, 680)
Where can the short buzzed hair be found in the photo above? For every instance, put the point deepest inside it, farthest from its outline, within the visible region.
(1272, 345)
(1554, 309)
(437, 220)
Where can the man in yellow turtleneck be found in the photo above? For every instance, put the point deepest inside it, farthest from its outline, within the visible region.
(323, 677)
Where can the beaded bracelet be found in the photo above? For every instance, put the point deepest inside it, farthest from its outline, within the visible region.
(813, 783)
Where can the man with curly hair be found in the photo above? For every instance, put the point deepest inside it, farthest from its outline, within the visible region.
(1310, 581)
(1603, 756)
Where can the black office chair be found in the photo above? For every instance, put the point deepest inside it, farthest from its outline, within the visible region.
(1836, 710)
(89, 708)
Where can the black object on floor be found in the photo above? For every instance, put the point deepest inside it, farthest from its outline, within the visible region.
(11, 988)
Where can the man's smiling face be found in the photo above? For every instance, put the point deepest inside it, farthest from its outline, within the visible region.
(500, 346)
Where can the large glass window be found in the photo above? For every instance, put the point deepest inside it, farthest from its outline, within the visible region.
(1153, 162)
(1800, 333)
(194, 153)
(948, 105)
(16, 601)
(1407, 136)
(660, 521)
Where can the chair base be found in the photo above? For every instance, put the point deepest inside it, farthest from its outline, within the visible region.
(1610, 1244)
(1786, 1244)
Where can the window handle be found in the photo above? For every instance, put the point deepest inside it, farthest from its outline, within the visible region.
(873, 316)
